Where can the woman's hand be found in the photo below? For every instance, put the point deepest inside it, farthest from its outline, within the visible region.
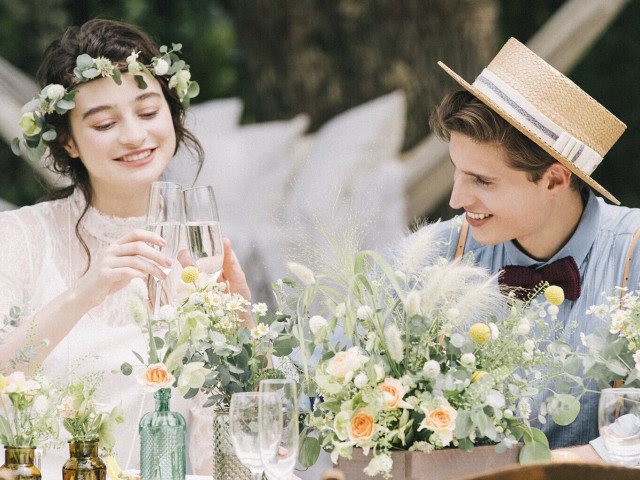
(232, 272)
(127, 258)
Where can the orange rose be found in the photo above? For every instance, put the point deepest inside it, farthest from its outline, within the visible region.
(440, 419)
(155, 377)
(394, 392)
(361, 426)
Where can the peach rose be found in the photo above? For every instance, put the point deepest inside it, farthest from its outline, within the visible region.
(344, 364)
(394, 392)
(155, 377)
(361, 426)
(441, 419)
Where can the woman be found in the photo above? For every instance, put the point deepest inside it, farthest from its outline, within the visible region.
(73, 254)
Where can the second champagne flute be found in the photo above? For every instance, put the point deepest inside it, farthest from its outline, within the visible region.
(164, 217)
(203, 230)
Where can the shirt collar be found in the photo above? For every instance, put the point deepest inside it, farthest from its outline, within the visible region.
(578, 245)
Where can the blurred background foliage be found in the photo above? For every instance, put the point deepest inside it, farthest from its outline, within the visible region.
(218, 44)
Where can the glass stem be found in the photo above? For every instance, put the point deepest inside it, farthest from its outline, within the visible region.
(153, 354)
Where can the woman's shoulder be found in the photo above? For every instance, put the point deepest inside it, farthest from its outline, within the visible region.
(33, 217)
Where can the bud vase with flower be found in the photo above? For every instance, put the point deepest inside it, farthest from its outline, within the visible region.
(27, 420)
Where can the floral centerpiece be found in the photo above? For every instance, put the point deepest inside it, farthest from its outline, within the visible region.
(613, 349)
(419, 356)
(211, 340)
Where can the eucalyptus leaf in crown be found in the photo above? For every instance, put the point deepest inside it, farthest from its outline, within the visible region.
(420, 356)
(208, 340)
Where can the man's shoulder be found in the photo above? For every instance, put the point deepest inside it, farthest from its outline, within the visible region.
(618, 219)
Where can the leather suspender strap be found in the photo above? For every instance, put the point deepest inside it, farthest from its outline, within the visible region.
(462, 239)
(625, 279)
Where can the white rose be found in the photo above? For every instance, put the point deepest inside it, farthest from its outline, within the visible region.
(55, 91)
(161, 67)
(316, 323)
(345, 363)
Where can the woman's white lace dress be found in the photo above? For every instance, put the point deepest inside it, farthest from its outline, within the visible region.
(40, 257)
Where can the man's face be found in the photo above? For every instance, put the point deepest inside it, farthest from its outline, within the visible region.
(502, 204)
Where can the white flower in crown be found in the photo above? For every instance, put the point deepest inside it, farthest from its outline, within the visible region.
(54, 91)
(161, 67)
(104, 66)
(132, 63)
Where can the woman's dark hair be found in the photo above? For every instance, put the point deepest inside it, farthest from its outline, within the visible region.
(464, 113)
(115, 41)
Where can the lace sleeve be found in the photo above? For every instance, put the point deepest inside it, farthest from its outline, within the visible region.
(16, 258)
(200, 434)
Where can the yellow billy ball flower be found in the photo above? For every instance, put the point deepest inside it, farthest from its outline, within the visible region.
(189, 274)
(480, 333)
(554, 294)
(477, 375)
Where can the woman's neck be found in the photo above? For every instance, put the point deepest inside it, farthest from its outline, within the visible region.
(129, 204)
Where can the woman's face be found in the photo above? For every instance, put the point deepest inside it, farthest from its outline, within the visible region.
(123, 135)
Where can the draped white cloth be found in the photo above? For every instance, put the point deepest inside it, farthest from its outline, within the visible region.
(41, 258)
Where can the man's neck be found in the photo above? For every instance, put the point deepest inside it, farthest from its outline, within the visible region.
(558, 229)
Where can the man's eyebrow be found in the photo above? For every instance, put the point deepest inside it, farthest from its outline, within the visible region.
(101, 108)
(472, 174)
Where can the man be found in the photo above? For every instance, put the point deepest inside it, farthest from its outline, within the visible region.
(524, 141)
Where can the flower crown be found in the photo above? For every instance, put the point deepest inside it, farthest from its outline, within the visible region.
(54, 98)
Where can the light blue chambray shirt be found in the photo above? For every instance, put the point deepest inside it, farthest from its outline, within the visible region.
(599, 246)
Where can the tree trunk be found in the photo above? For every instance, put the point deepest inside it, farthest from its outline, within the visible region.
(322, 57)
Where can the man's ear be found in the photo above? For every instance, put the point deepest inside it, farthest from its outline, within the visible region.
(557, 178)
(71, 149)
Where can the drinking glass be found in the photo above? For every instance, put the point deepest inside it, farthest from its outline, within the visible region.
(279, 465)
(164, 217)
(254, 416)
(203, 230)
(619, 424)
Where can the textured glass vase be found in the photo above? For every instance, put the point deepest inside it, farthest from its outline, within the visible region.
(162, 441)
(84, 462)
(226, 465)
(18, 461)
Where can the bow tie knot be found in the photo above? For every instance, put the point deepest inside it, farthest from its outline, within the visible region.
(563, 273)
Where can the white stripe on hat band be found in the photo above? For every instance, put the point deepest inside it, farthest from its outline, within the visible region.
(516, 106)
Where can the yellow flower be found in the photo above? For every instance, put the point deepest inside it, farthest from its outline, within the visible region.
(477, 375)
(554, 294)
(480, 333)
(28, 124)
(190, 274)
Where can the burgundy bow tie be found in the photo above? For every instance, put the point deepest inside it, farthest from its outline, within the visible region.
(563, 273)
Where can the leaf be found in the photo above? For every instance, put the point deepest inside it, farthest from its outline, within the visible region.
(309, 450)
(126, 368)
(534, 452)
(283, 346)
(15, 146)
(564, 408)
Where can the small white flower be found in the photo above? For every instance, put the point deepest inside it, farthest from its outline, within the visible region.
(361, 380)
(161, 67)
(260, 308)
(168, 313)
(553, 310)
(316, 323)
(260, 331)
(524, 327)
(341, 310)
(364, 312)
(431, 370)
(527, 356)
(524, 408)
(196, 298)
(468, 359)
(508, 413)
(138, 288)
(529, 345)
(452, 314)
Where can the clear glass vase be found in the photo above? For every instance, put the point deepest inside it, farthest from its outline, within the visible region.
(84, 462)
(18, 461)
(162, 441)
(226, 465)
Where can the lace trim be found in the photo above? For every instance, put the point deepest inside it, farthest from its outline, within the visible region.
(106, 228)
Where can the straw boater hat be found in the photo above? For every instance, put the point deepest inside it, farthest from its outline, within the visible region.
(548, 108)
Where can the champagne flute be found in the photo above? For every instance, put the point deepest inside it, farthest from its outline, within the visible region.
(164, 217)
(279, 465)
(203, 230)
(619, 424)
(253, 415)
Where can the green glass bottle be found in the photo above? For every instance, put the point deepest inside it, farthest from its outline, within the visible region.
(162, 441)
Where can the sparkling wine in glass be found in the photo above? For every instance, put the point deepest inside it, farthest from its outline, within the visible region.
(619, 424)
(250, 414)
(164, 217)
(279, 464)
(203, 230)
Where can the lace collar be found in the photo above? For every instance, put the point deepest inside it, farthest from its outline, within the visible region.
(106, 228)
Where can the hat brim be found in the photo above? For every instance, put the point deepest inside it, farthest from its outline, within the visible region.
(529, 134)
